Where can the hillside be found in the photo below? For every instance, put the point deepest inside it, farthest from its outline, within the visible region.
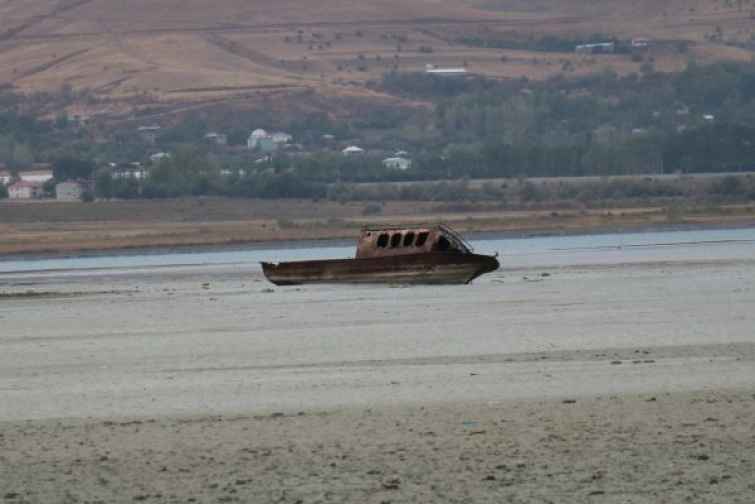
(142, 54)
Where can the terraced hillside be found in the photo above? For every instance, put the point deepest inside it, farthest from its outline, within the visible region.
(190, 53)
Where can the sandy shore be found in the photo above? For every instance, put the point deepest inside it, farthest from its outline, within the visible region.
(613, 383)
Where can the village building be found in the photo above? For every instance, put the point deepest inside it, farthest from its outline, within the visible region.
(397, 163)
(129, 172)
(640, 43)
(38, 174)
(280, 137)
(5, 176)
(69, 191)
(149, 133)
(267, 145)
(217, 138)
(597, 48)
(255, 137)
(450, 72)
(352, 150)
(25, 190)
(156, 158)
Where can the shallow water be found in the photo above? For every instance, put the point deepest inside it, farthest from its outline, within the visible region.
(604, 249)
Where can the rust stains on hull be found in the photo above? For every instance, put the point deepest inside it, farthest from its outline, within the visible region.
(429, 268)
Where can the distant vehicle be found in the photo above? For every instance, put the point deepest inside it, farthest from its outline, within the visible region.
(393, 255)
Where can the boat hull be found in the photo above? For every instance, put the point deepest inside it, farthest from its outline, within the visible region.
(431, 268)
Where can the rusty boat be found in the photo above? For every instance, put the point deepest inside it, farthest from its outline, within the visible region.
(393, 255)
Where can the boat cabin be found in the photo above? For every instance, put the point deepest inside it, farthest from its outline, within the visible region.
(397, 241)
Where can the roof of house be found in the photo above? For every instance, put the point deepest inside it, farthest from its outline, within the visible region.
(35, 172)
(25, 183)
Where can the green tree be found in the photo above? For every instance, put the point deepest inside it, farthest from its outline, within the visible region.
(72, 168)
(103, 184)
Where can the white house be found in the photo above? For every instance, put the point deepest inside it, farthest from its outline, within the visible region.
(69, 191)
(255, 138)
(433, 70)
(597, 48)
(217, 138)
(281, 137)
(36, 176)
(156, 158)
(135, 172)
(24, 190)
(397, 163)
(149, 133)
(640, 42)
(5, 177)
(352, 150)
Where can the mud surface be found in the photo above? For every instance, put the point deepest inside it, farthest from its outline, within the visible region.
(604, 383)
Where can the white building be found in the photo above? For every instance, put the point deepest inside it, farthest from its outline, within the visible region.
(352, 150)
(255, 137)
(134, 172)
(397, 163)
(69, 191)
(281, 137)
(36, 176)
(149, 133)
(5, 177)
(24, 190)
(452, 71)
(156, 158)
(597, 48)
(217, 138)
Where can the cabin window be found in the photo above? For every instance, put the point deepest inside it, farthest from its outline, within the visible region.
(409, 239)
(443, 244)
(421, 239)
(382, 241)
(396, 240)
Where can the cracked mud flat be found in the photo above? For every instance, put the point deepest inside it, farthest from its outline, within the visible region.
(615, 383)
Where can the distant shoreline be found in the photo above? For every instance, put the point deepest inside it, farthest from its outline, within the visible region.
(340, 236)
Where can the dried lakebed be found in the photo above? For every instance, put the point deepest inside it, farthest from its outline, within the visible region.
(625, 382)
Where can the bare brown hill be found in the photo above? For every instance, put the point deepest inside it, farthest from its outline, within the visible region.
(184, 53)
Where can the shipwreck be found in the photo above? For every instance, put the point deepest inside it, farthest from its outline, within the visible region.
(393, 255)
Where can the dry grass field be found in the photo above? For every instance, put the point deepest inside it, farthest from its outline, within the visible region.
(142, 53)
